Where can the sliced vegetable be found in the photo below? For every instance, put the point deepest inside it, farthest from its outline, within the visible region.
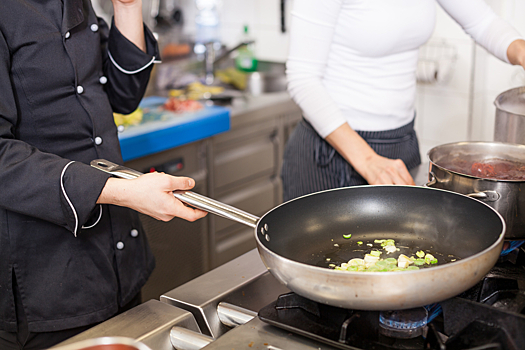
(391, 261)
(419, 262)
(390, 248)
(376, 253)
(372, 261)
(429, 258)
(388, 242)
(356, 262)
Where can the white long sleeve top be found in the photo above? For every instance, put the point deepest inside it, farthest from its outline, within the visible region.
(355, 61)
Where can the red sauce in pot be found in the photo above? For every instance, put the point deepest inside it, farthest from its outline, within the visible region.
(498, 169)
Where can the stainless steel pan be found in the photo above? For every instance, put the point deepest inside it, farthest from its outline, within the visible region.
(296, 238)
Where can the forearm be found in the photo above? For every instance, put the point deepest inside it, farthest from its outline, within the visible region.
(128, 19)
(352, 147)
(516, 53)
(375, 169)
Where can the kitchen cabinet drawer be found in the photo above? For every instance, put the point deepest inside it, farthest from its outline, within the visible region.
(233, 239)
(255, 198)
(247, 161)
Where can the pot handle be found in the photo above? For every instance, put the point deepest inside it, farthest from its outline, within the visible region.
(432, 180)
(485, 196)
(194, 199)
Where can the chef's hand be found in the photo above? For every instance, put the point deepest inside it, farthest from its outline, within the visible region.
(375, 169)
(516, 53)
(151, 194)
(128, 19)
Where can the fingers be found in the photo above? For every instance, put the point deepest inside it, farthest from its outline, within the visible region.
(390, 172)
(152, 194)
(181, 183)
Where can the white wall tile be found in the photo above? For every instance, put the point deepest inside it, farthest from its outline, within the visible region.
(268, 12)
(271, 44)
(238, 12)
(445, 118)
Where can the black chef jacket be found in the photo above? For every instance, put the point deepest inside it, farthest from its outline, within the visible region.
(62, 74)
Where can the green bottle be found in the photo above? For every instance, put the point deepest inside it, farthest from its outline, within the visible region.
(245, 60)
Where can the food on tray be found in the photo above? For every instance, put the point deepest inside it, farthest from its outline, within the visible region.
(378, 261)
(133, 118)
(175, 104)
(196, 91)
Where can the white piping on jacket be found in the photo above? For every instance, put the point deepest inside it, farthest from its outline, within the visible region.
(129, 71)
(67, 198)
(96, 222)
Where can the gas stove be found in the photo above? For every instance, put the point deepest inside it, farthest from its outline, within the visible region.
(240, 305)
(489, 316)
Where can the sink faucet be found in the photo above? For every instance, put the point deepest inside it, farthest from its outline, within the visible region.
(210, 60)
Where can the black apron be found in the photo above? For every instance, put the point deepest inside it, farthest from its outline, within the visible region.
(311, 164)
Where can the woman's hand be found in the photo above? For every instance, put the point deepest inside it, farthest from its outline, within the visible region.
(375, 169)
(151, 194)
(378, 170)
(516, 52)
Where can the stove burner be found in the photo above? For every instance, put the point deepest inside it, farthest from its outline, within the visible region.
(403, 323)
(489, 316)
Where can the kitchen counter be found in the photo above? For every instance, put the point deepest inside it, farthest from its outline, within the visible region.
(169, 130)
(161, 130)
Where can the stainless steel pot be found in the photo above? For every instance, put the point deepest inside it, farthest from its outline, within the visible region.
(506, 196)
(510, 116)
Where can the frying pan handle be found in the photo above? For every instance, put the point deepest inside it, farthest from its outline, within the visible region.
(194, 199)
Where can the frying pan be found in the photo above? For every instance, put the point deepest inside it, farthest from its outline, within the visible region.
(295, 239)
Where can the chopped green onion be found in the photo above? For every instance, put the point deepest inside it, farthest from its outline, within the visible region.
(420, 254)
(412, 268)
(392, 261)
(419, 262)
(434, 261)
(356, 262)
(359, 242)
(388, 242)
(382, 264)
(375, 253)
(429, 258)
(347, 236)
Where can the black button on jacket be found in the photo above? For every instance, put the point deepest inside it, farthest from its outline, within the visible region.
(62, 74)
